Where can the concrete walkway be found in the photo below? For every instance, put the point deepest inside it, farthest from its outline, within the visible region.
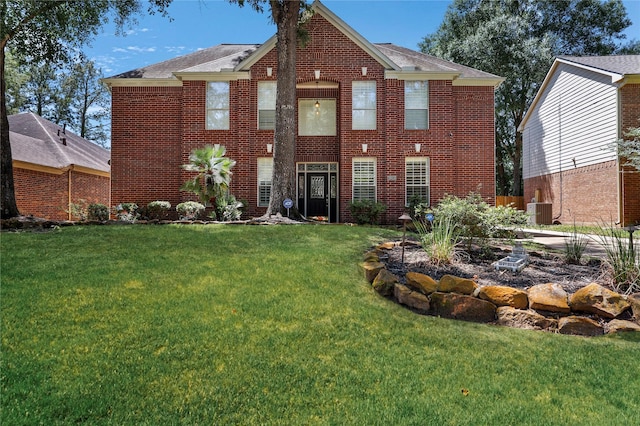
(556, 240)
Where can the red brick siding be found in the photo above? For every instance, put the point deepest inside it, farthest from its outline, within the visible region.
(572, 200)
(46, 195)
(145, 144)
(630, 179)
(459, 163)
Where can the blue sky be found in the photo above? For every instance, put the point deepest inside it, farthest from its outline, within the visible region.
(199, 24)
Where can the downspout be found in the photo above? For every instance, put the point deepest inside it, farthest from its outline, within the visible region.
(618, 165)
(69, 192)
(560, 152)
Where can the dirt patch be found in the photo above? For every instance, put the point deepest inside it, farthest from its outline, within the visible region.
(478, 264)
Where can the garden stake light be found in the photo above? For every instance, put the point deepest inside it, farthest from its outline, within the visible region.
(404, 218)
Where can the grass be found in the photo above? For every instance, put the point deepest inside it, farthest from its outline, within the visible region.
(269, 325)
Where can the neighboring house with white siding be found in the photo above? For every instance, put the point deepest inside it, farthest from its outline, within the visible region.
(583, 106)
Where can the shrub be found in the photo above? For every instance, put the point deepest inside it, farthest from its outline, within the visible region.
(78, 211)
(126, 212)
(439, 242)
(227, 208)
(366, 211)
(97, 211)
(189, 210)
(474, 218)
(574, 247)
(623, 259)
(158, 209)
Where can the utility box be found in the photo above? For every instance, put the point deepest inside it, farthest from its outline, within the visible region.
(539, 213)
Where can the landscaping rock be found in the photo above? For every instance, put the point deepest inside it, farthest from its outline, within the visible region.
(527, 319)
(371, 270)
(412, 299)
(596, 299)
(634, 301)
(458, 306)
(548, 297)
(504, 296)
(387, 246)
(385, 282)
(371, 256)
(579, 326)
(421, 282)
(451, 284)
(616, 325)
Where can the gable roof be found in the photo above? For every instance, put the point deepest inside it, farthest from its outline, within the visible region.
(622, 69)
(233, 61)
(37, 141)
(622, 65)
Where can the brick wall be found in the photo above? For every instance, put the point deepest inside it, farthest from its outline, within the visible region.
(155, 129)
(145, 144)
(46, 195)
(596, 202)
(630, 178)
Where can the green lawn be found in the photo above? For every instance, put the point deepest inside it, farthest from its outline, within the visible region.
(270, 325)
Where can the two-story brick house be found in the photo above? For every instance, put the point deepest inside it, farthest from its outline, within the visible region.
(375, 121)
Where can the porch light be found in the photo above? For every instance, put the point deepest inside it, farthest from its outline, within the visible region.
(418, 147)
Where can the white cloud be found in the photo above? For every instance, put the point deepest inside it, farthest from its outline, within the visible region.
(175, 49)
(139, 49)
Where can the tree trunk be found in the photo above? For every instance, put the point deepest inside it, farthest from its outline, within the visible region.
(285, 15)
(516, 190)
(9, 207)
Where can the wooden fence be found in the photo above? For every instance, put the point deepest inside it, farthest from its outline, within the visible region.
(517, 202)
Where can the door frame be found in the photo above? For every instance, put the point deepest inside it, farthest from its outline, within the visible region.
(331, 170)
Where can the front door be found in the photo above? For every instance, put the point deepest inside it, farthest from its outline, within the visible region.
(317, 194)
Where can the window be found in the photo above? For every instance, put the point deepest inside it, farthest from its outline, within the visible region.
(416, 172)
(416, 105)
(317, 120)
(364, 179)
(363, 104)
(266, 105)
(265, 171)
(218, 105)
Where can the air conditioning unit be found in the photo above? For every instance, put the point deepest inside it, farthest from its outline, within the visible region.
(539, 213)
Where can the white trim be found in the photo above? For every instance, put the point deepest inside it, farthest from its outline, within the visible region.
(141, 82)
(372, 160)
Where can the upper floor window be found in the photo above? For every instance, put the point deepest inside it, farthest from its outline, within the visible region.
(416, 105)
(317, 117)
(218, 105)
(266, 105)
(363, 104)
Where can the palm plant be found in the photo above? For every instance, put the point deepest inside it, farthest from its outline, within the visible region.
(213, 173)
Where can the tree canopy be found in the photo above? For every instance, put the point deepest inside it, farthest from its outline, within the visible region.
(518, 40)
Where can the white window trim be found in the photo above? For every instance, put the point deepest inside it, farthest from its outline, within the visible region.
(271, 105)
(426, 83)
(304, 109)
(428, 177)
(375, 175)
(228, 109)
(374, 110)
(262, 163)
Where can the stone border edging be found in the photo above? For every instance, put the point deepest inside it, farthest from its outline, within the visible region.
(590, 311)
